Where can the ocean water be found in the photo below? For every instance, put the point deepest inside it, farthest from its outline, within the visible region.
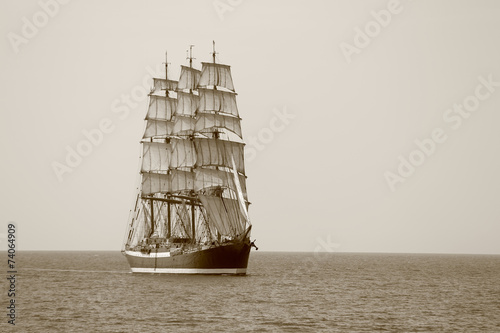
(282, 292)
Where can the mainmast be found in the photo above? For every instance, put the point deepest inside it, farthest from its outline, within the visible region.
(169, 222)
(193, 102)
(192, 202)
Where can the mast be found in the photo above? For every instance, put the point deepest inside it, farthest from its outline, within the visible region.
(168, 220)
(193, 221)
(216, 133)
(166, 73)
(213, 51)
(152, 218)
(190, 57)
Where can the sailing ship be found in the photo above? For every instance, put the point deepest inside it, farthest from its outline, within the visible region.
(191, 210)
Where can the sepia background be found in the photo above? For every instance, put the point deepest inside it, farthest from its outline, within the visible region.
(334, 96)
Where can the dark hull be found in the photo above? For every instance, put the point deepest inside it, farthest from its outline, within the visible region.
(224, 259)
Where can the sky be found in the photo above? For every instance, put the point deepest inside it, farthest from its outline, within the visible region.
(371, 126)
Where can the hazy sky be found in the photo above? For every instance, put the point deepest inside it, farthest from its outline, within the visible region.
(355, 85)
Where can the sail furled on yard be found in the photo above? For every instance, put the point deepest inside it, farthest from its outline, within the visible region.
(213, 74)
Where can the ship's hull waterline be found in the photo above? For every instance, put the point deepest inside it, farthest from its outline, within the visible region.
(224, 259)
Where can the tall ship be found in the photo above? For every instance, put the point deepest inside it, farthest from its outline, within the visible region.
(191, 211)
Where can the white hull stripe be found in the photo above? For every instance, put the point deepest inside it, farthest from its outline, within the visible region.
(150, 255)
(190, 270)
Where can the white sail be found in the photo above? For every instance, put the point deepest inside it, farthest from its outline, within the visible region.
(155, 183)
(183, 125)
(189, 78)
(175, 181)
(223, 215)
(161, 107)
(206, 178)
(218, 101)
(155, 128)
(187, 104)
(162, 84)
(216, 75)
(208, 122)
(213, 152)
(156, 156)
(239, 192)
(183, 153)
(161, 157)
(181, 180)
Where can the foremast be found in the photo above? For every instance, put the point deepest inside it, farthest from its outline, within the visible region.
(192, 170)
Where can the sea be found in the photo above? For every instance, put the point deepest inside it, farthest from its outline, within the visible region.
(282, 292)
